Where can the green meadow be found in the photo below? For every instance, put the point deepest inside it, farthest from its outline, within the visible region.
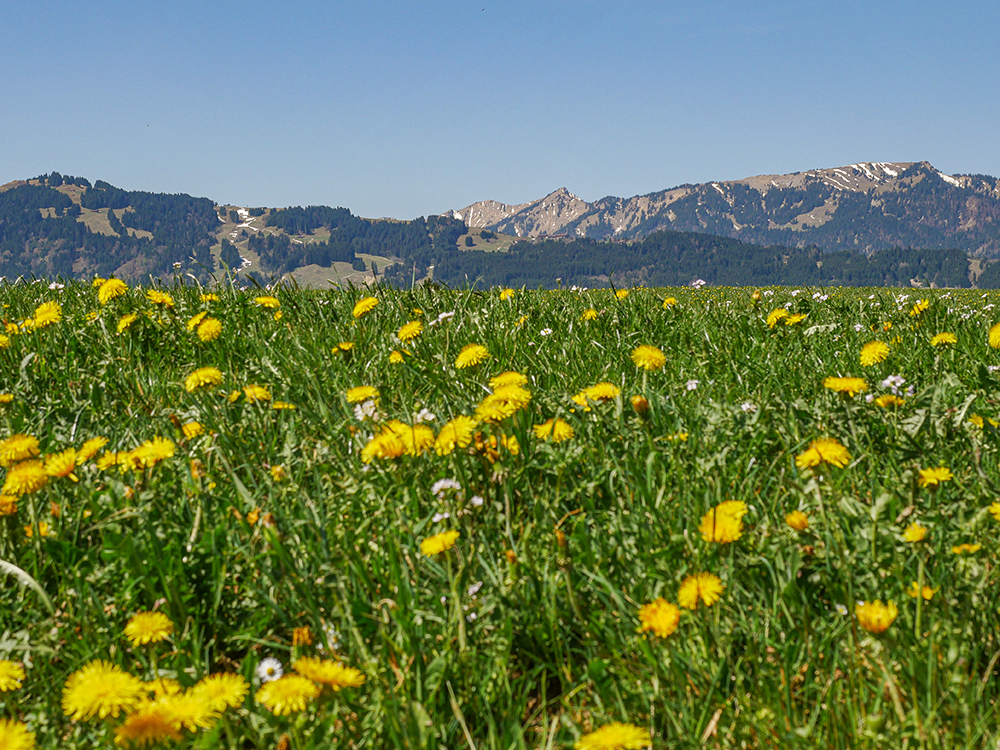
(753, 540)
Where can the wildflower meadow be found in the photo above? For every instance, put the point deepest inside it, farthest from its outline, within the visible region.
(434, 518)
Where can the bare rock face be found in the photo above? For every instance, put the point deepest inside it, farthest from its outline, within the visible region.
(867, 206)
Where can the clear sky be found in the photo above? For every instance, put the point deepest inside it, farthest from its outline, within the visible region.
(411, 108)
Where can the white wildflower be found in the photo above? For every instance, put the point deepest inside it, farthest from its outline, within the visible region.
(269, 669)
(439, 487)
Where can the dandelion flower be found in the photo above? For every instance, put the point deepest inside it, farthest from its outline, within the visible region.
(508, 378)
(621, 293)
(149, 723)
(823, 450)
(222, 689)
(111, 289)
(290, 694)
(410, 331)
(796, 318)
(850, 386)
(797, 520)
(704, 586)
(876, 617)
(209, 297)
(995, 510)
(61, 464)
(589, 314)
(640, 404)
(502, 403)
(361, 393)
(192, 429)
(669, 302)
(364, 305)
(926, 592)
(268, 302)
(915, 533)
(994, 336)
(919, 307)
(47, 313)
(554, 429)
(455, 434)
(506, 293)
(163, 686)
(724, 523)
(943, 339)
(15, 736)
(659, 617)
(151, 452)
(195, 321)
(775, 315)
(888, 400)
(471, 355)
(434, 545)
(328, 672)
(43, 530)
(209, 329)
(963, 549)
(600, 392)
(148, 627)
(100, 689)
(25, 478)
(648, 357)
(874, 352)
(11, 674)
(90, 449)
(933, 476)
(395, 357)
(162, 299)
(17, 448)
(126, 321)
(8, 505)
(201, 378)
(615, 736)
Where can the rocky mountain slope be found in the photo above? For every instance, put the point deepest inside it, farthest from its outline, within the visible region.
(867, 206)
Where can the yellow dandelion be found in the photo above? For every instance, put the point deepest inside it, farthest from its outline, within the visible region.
(203, 377)
(888, 400)
(434, 545)
(343, 346)
(209, 329)
(797, 520)
(279, 405)
(506, 293)
(876, 617)
(589, 314)
(4, 341)
(148, 627)
(873, 353)
(11, 675)
(192, 429)
(221, 690)
(163, 686)
(724, 523)
(191, 710)
(823, 451)
(502, 403)
(471, 355)
(149, 723)
(395, 357)
(209, 297)
(195, 321)
(994, 336)
(621, 294)
(926, 592)
(850, 386)
(508, 378)
(919, 307)
(648, 357)
(151, 452)
(279, 473)
(269, 302)
(255, 393)
(17, 448)
(933, 476)
(126, 321)
(162, 299)
(669, 302)
(361, 393)
(457, 433)
(995, 510)
(553, 429)
(966, 549)
(410, 331)
(775, 315)
(327, 672)
(615, 736)
(62, 464)
(915, 533)
(290, 694)
(111, 289)
(89, 449)
(8, 505)
(944, 339)
(704, 586)
(25, 478)
(46, 314)
(364, 305)
(100, 689)
(15, 736)
(600, 392)
(796, 318)
(43, 530)
(640, 404)
(659, 617)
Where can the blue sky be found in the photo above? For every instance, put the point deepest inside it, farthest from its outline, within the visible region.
(408, 108)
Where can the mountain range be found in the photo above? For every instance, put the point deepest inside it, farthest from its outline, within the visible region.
(868, 206)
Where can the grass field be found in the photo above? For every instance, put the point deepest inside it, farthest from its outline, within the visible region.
(667, 524)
